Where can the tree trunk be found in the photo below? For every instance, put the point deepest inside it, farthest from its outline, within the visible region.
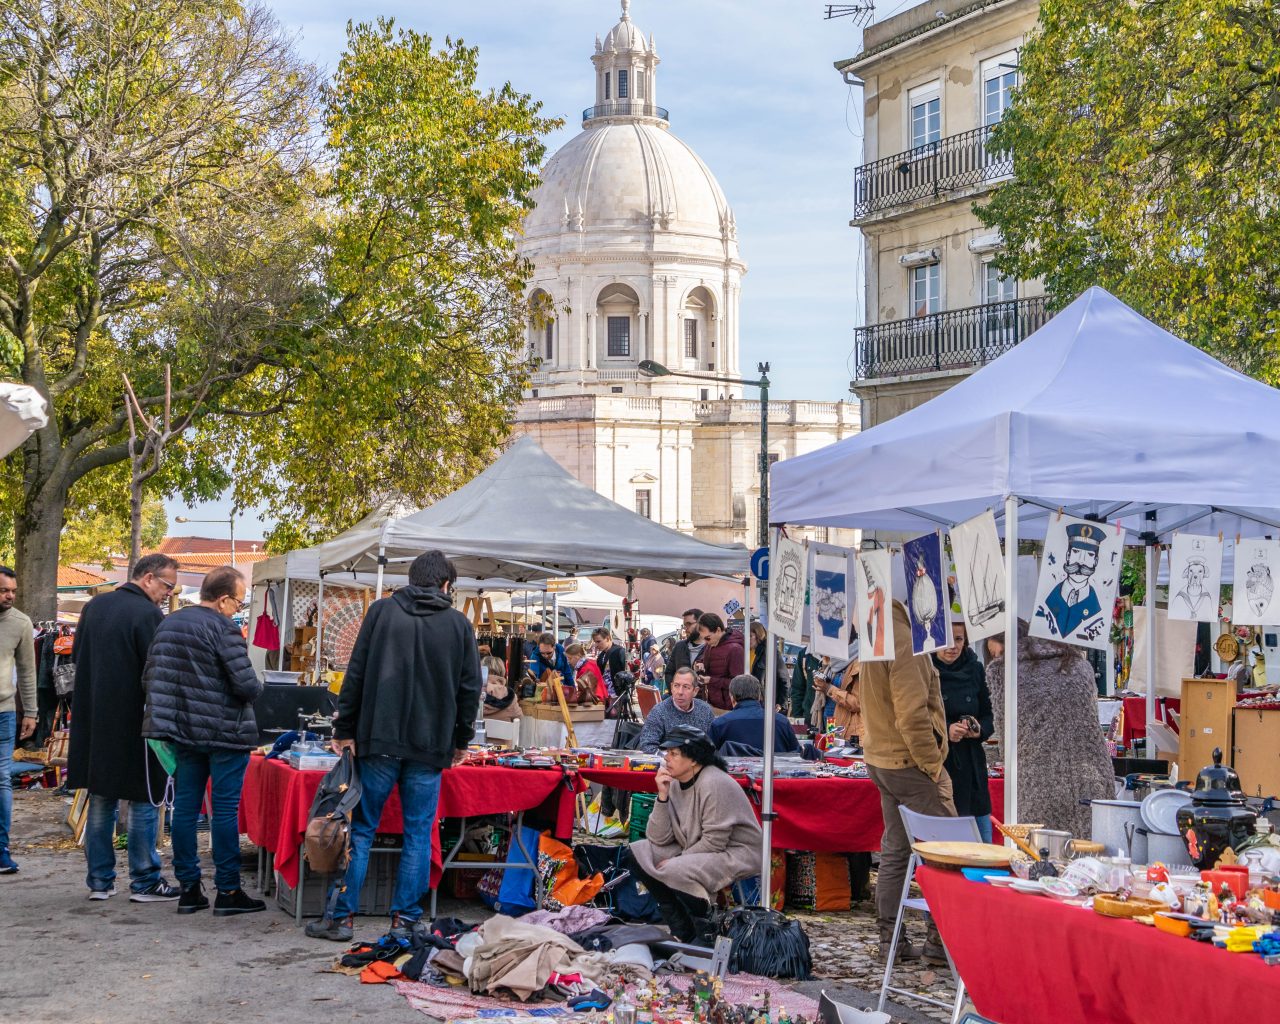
(135, 518)
(37, 531)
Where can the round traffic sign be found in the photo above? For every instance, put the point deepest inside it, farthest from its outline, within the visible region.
(760, 563)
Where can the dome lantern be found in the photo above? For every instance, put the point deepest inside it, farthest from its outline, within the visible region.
(626, 74)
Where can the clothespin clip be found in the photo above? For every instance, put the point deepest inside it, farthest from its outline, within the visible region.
(1219, 536)
(1237, 540)
(1060, 508)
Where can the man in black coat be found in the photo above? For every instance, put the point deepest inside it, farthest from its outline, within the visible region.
(200, 690)
(108, 756)
(685, 650)
(407, 709)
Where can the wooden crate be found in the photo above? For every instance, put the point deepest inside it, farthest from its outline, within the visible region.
(1204, 723)
(551, 712)
(1257, 750)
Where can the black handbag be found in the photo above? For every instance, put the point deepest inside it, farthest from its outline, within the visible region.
(766, 942)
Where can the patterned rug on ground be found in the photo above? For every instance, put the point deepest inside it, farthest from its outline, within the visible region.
(458, 1004)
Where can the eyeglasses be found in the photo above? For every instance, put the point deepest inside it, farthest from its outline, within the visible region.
(168, 587)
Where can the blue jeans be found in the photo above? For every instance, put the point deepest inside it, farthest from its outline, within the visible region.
(8, 732)
(196, 766)
(984, 826)
(100, 849)
(419, 794)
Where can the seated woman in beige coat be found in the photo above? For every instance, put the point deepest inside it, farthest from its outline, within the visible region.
(702, 834)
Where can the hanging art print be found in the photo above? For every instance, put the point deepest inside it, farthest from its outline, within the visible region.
(925, 564)
(787, 590)
(1254, 599)
(1195, 576)
(874, 594)
(975, 544)
(1079, 575)
(829, 632)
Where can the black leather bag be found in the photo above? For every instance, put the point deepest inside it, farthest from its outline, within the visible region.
(766, 942)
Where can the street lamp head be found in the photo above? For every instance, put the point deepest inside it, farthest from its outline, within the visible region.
(181, 519)
(651, 369)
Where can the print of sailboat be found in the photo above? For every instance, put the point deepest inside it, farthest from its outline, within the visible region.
(982, 598)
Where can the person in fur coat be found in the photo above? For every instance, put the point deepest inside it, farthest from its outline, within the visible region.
(1062, 757)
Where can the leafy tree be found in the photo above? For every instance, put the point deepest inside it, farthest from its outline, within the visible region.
(330, 274)
(1146, 162)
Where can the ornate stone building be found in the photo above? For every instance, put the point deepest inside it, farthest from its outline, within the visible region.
(635, 250)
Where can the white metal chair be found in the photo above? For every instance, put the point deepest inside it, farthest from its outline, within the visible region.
(925, 828)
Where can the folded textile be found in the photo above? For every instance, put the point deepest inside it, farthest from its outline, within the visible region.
(611, 936)
(569, 920)
(517, 957)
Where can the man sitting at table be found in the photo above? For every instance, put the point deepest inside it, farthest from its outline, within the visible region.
(549, 656)
(681, 708)
(407, 709)
(702, 835)
(744, 725)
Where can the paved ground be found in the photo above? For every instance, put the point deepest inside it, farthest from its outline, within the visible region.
(66, 960)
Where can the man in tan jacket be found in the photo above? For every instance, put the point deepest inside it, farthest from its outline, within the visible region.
(905, 748)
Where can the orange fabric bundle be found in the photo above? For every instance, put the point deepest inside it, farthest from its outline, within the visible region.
(567, 888)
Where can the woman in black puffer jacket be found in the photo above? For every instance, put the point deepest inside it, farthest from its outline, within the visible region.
(969, 724)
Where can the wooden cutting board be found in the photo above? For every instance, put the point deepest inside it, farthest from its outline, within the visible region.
(968, 855)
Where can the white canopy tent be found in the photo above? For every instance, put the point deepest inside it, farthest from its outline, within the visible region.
(1099, 413)
(23, 411)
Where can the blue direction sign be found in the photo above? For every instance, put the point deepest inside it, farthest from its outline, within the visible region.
(760, 563)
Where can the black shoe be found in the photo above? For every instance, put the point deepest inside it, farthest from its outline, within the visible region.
(192, 899)
(339, 929)
(161, 892)
(237, 901)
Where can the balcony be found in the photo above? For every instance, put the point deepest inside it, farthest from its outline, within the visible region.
(928, 172)
(956, 339)
(624, 108)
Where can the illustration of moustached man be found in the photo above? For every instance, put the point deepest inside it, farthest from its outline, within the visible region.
(1073, 602)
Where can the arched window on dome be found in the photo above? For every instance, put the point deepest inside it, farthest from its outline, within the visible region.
(542, 327)
(697, 320)
(618, 310)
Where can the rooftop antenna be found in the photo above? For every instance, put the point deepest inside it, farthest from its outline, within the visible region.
(860, 13)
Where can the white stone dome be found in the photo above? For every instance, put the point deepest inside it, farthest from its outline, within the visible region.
(624, 36)
(628, 173)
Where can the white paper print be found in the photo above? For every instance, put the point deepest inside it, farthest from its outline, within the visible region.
(1254, 590)
(787, 589)
(1079, 575)
(831, 606)
(1195, 576)
(975, 544)
(924, 563)
(875, 605)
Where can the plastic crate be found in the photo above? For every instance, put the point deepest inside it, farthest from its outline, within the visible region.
(375, 896)
(641, 808)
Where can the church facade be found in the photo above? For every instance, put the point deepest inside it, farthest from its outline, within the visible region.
(636, 261)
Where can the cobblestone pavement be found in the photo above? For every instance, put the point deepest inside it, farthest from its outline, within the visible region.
(142, 963)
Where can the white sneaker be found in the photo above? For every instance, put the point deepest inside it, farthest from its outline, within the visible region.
(102, 894)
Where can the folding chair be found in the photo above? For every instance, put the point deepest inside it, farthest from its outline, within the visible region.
(924, 828)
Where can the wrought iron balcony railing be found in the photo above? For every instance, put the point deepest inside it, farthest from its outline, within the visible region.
(928, 171)
(956, 339)
(624, 108)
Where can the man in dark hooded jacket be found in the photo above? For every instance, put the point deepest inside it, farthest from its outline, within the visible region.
(407, 709)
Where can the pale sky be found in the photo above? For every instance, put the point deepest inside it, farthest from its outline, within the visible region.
(750, 86)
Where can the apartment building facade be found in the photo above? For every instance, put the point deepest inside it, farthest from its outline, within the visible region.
(936, 80)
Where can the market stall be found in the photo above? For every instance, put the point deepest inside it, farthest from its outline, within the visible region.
(1074, 965)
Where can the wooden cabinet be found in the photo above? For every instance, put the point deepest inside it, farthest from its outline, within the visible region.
(1257, 750)
(1204, 723)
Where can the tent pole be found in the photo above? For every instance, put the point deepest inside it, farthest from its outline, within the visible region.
(1152, 562)
(1010, 659)
(746, 618)
(382, 565)
(319, 659)
(766, 783)
(286, 619)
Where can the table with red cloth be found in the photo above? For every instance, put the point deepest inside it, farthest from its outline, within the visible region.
(1135, 717)
(824, 815)
(275, 803)
(1030, 959)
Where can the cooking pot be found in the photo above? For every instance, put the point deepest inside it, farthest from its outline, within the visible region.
(1217, 816)
(1058, 843)
(1109, 820)
(1167, 847)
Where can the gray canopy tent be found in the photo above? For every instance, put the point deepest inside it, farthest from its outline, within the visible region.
(1099, 413)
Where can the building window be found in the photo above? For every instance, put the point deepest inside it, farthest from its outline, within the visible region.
(619, 337)
(704, 394)
(999, 76)
(639, 85)
(548, 340)
(622, 84)
(606, 85)
(996, 287)
(691, 339)
(644, 503)
(925, 105)
(924, 297)
(774, 457)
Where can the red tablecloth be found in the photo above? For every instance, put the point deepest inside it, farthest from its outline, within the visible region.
(276, 800)
(1135, 716)
(1070, 964)
(830, 815)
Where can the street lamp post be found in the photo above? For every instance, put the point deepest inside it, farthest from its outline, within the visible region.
(231, 519)
(649, 368)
